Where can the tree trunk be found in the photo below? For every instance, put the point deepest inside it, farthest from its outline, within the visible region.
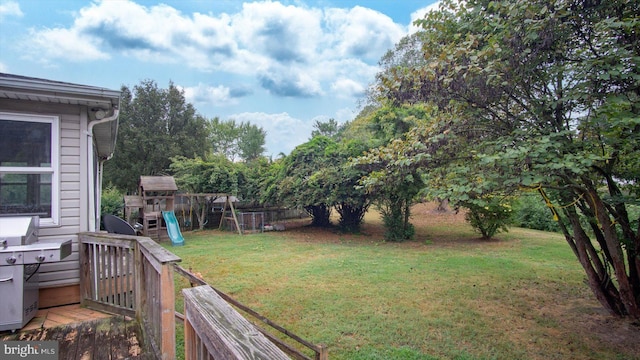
(625, 287)
(609, 276)
(351, 217)
(320, 215)
(201, 211)
(443, 205)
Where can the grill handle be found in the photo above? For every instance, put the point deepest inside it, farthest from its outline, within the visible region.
(6, 280)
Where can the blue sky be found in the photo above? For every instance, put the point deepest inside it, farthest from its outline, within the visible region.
(280, 65)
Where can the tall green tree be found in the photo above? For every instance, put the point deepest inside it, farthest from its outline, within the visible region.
(392, 185)
(543, 96)
(329, 128)
(154, 125)
(236, 141)
(251, 142)
(300, 184)
(316, 176)
(350, 200)
(224, 136)
(255, 177)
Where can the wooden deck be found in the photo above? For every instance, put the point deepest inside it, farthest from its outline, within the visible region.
(83, 333)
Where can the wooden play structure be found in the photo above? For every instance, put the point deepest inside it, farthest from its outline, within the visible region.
(200, 204)
(156, 194)
(153, 208)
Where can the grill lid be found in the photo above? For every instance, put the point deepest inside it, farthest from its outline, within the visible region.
(15, 231)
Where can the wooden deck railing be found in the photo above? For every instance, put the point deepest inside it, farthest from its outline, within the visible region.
(134, 276)
(108, 273)
(131, 275)
(214, 330)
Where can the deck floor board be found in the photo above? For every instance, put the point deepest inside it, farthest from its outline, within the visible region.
(85, 334)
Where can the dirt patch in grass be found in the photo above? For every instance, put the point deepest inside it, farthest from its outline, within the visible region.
(573, 320)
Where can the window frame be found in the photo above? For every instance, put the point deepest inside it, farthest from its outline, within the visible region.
(53, 169)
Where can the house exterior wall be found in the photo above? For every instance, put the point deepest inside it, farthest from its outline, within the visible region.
(73, 186)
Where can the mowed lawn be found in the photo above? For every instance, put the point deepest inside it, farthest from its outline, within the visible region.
(445, 295)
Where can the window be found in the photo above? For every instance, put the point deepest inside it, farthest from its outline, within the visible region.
(29, 166)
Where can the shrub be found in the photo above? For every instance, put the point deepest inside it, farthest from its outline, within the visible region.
(531, 212)
(395, 217)
(112, 201)
(489, 215)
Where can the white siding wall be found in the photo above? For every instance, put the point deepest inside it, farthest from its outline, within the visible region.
(73, 191)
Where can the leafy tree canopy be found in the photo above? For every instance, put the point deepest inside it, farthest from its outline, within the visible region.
(154, 125)
(298, 183)
(540, 96)
(236, 141)
(330, 129)
(215, 175)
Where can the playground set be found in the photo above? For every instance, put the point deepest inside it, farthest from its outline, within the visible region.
(154, 208)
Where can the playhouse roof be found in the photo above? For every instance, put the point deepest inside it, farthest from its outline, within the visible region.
(158, 183)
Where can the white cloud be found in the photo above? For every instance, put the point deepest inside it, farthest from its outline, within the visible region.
(289, 81)
(284, 132)
(159, 33)
(361, 32)
(204, 94)
(291, 51)
(10, 8)
(49, 45)
(344, 115)
(282, 33)
(347, 88)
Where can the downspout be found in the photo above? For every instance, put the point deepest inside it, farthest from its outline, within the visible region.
(94, 199)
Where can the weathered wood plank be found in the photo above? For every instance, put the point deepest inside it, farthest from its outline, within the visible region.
(119, 345)
(104, 339)
(224, 332)
(134, 341)
(109, 338)
(69, 342)
(126, 241)
(86, 340)
(155, 252)
(167, 309)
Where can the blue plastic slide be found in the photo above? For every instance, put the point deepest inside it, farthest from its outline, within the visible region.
(173, 228)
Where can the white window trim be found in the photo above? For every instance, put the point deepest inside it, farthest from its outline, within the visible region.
(54, 169)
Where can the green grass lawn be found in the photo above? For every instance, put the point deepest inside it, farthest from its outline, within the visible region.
(446, 295)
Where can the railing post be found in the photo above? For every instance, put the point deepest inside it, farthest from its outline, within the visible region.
(86, 282)
(138, 283)
(157, 297)
(323, 352)
(189, 340)
(167, 313)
